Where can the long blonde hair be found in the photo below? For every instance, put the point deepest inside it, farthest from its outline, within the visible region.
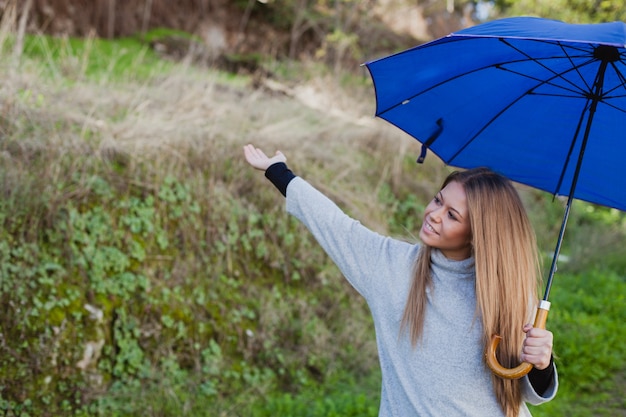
(507, 272)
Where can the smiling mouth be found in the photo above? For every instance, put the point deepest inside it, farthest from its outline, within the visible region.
(428, 227)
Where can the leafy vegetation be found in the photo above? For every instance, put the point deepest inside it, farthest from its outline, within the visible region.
(144, 270)
(573, 11)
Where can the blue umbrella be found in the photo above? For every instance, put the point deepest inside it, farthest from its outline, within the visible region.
(540, 101)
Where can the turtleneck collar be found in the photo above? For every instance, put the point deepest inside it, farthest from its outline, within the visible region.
(463, 269)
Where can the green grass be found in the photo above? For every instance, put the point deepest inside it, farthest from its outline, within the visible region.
(587, 317)
(344, 397)
(98, 59)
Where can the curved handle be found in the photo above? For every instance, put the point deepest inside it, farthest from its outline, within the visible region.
(525, 367)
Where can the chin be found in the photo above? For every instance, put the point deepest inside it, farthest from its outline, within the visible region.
(425, 239)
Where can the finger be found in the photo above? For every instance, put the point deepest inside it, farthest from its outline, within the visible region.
(542, 350)
(246, 152)
(540, 358)
(250, 153)
(260, 155)
(537, 350)
(538, 342)
(254, 154)
(539, 336)
(537, 355)
(249, 150)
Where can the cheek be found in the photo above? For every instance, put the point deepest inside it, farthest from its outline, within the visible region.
(467, 234)
(463, 233)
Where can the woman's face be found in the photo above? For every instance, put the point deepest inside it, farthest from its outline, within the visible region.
(446, 223)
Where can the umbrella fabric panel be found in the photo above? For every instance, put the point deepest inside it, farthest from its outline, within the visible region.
(500, 108)
(610, 33)
(413, 71)
(603, 171)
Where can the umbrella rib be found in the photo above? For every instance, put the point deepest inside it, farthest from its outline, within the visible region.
(605, 97)
(482, 129)
(605, 102)
(576, 68)
(503, 110)
(575, 90)
(573, 67)
(578, 92)
(528, 58)
(409, 98)
(621, 77)
(556, 74)
(555, 95)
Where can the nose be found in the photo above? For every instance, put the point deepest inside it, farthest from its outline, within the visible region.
(436, 214)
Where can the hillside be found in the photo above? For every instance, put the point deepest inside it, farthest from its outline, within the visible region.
(339, 33)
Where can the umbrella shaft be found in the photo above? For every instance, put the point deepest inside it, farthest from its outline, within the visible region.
(557, 250)
(595, 98)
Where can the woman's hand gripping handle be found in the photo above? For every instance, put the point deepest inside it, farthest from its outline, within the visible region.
(525, 367)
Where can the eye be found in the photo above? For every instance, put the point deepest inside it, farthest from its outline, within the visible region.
(451, 215)
(437, 200)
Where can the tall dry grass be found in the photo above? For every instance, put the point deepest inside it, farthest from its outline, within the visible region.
(188, 119)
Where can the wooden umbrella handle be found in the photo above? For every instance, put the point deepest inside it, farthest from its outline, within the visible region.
(525, 367)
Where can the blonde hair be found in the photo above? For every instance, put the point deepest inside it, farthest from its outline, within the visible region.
(507, 272)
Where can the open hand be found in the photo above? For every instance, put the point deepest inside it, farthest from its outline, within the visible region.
(537, 347)
(257, 158)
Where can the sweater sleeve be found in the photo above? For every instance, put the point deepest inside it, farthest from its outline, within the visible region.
(534, 395)
(363, 256)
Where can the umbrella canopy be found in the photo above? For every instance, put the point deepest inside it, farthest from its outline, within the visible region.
(540, 101)
(525, 96)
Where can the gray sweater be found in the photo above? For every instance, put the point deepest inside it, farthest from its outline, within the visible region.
(445, 375)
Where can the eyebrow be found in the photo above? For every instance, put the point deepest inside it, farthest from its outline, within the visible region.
(451, 208)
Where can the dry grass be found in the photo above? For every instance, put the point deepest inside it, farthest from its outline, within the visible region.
(189, 117)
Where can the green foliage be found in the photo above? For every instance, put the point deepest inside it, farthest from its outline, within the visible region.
(120, 288)
(587, 317)
(406, 212)
(98, 59)
(594, 240)
(338, 397)
(573, 11)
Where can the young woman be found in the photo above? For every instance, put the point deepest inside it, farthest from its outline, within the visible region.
(436, 304)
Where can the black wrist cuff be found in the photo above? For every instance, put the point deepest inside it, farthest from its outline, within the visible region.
(540, 379)
(280, 176)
